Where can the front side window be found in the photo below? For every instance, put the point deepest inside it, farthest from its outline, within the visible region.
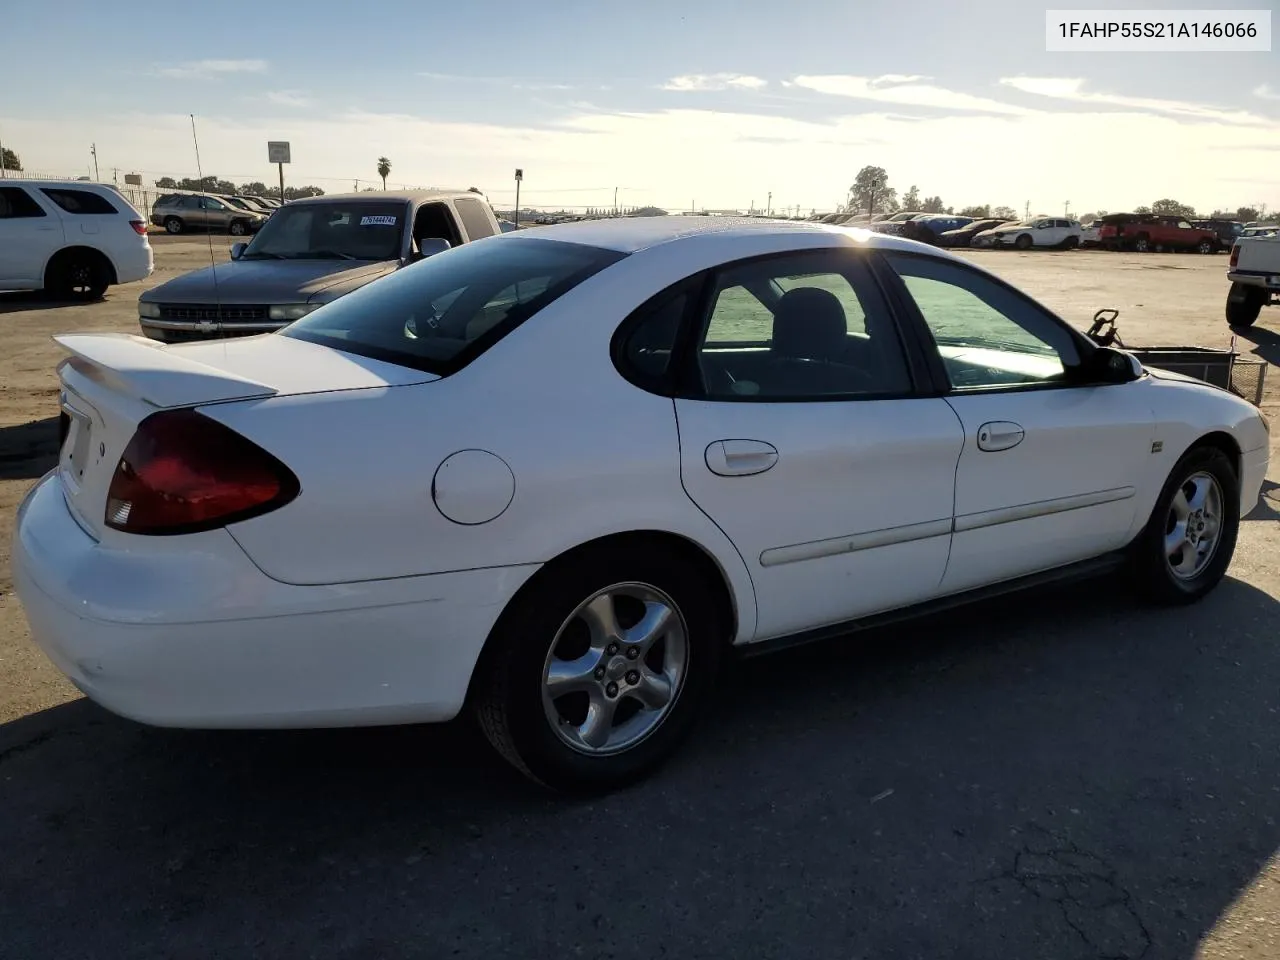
(442, 312)
(799, 327)
(986, 334)
(337, 230)
(474, 217)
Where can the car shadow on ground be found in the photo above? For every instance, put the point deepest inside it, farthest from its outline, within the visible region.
(22, 301)
(1266, 342)
(28, 450)
(1064, 774)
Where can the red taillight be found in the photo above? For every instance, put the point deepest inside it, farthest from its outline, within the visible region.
(1235, 256)
(183, 472)
(139, 227)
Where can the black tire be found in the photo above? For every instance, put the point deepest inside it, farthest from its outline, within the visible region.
(1070, 243)
(238, 228)
(1150, 559)
(80, 276)
(1142, 244)
(1207, 246)
(173, 225)
(1244, 303)
(1023, 242)
(508, 695)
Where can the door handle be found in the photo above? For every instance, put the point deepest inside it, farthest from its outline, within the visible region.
(740, 458)
(999, 435)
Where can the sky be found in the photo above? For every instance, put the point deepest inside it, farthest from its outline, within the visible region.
(713, 104)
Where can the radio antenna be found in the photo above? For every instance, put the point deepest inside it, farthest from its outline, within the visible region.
(213, 266)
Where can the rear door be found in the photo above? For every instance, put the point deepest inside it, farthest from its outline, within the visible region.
(1050, 467)
(803, 439)
(30, 233)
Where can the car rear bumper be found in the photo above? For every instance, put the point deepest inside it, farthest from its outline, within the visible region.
(135, 263)
(194, 635)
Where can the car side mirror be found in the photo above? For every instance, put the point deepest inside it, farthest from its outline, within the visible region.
(1109, 365)
(237, 250)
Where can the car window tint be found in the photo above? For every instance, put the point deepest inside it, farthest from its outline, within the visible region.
(646, 350)
(16, 203)
(797, 327)
(80, 201)
(986, 334)
(442, 312)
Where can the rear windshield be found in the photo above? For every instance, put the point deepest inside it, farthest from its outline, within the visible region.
(341, 230)
(441, 313)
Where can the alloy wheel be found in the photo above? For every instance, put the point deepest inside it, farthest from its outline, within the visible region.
(615, 669)
(1193, 526)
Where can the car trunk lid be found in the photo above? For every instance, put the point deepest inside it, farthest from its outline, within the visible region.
(111, 382)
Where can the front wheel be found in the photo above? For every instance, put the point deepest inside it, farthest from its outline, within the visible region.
(1187, 545)
(1244, 303)
(594, 675)
(238, 228)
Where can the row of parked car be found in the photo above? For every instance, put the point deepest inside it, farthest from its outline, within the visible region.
(1135, 232)
(236, 215)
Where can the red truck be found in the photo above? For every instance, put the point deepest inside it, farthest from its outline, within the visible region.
(1143, 232)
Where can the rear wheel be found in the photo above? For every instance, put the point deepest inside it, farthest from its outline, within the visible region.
(1244, 303)
(238, 228)
(1023, 242)
(1207, 246)
(594, 675)
(173, 225)
(1187, 545)
(1142, 245)
(80, 275)
(1071, 243)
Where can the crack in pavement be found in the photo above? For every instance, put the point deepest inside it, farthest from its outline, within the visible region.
(1086, 891)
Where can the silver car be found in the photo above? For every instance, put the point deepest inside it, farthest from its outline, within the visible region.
(180, 212)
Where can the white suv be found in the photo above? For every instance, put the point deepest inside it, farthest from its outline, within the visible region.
(71, 238)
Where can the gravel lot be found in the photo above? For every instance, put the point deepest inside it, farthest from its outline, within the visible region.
(1063, 775)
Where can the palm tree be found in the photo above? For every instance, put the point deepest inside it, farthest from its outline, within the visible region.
(384, 168)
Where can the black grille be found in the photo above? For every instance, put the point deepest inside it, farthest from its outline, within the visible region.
(213, 313)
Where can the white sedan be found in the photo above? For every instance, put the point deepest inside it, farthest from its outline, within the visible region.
(1046, 232)
(556, 476)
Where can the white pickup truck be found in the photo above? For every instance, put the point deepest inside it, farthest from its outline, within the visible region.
(1254, 272)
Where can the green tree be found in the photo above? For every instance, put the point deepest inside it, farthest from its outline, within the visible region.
(1004, 213)
(871, 191)
(932, 205)
(384, 168)
(1141, 210)
(1172, 208)
(980, 212)
(10, 160)
(911, 199)
(255, 189)
(167, 183)
(1248, 214)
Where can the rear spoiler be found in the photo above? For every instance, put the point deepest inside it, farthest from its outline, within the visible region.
(144, 368)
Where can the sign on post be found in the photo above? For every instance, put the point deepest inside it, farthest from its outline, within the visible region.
(133, 179)
(277, 151)
(519, 174)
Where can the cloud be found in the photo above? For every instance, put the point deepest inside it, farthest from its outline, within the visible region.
(702, 82)
(288, 98)
(1071, 89)
(207, 69)
(905, 90)
(1266, 93)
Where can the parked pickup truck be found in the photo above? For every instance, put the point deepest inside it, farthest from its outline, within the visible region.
(1254, 272)
(311, 252)
(1144, 232)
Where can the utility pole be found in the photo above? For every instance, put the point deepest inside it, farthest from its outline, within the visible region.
(1027, 211)
(1066, 210)
(2, 159)
(768, 211)
(93, 149)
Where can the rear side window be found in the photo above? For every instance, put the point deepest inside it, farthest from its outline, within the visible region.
(80, 202)
(441, 313)
(16, 203)
(473, 218)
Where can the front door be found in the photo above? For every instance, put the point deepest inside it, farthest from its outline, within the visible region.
(1050, 467)
(807, 446)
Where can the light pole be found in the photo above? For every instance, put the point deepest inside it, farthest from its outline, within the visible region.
(93, 149)
(768, 207)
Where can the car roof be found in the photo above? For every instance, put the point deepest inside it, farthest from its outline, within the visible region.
(58, 184)
(397, 196)
(632, 234)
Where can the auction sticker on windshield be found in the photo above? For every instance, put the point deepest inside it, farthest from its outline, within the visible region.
(383, 221)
